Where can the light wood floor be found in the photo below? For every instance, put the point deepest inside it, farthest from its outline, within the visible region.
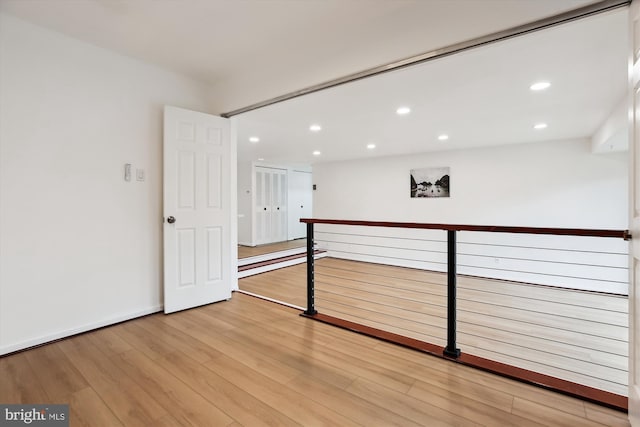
(253, 363)
(249, 251)
(576, 336)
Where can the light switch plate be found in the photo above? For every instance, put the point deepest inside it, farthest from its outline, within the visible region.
(127, 171)
(140, 174)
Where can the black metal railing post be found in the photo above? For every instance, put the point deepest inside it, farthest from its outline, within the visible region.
(450, 350)
(311, 307)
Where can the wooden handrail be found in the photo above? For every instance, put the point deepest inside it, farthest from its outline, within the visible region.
(618, 234)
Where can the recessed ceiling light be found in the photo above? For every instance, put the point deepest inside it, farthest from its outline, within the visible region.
(540, 126)
(371, 146)
(315, 128)
(316, 153)
(540, 86)
(260, 159)
(443, 137)
(254, 139)
(403, 110)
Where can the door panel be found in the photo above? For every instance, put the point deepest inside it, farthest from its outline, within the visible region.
(279, 206)
(263, 206)
(197, 194)
(214, 181)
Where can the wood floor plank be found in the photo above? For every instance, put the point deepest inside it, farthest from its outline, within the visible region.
(111, 340)
(161, 331)
(268, 366)
(382, 270)
(407, 406)
(416, 302)
(169, 421)
(606, 416)
(577, 336)
(19, 384)
(330, 364)
(548, 416)
(58, 375)
(486, 380)
(140, 339)
(86, 408)
(215, 322)
(236, 402)
(373, 311)
(442, 382)
(187, 406)
(471, 409)
(273, 346)
(272, 368)
(353, 407)
(385, 285)
(303, 411)
(125, 398)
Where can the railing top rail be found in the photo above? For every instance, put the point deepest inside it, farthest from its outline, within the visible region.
(619, 234)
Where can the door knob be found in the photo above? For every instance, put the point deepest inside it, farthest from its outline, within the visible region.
(171, 220)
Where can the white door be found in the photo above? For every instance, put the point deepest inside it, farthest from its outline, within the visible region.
(270, 209)
(634, 203)
(300, 202)
(262, 206)
(197, 209)
(279, 205)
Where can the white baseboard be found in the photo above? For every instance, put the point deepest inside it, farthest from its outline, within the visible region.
(5, 349)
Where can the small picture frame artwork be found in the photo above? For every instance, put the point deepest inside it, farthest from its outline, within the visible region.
(430, 182)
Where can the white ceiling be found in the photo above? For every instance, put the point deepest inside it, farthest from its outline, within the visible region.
(251, 50)
(479, 98)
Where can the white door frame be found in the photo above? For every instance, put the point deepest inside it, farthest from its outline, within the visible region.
(634, 210)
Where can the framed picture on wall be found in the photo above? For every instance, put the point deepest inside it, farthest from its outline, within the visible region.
(430, 182)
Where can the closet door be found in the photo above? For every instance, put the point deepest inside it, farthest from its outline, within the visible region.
(279, 206)
(263, 205)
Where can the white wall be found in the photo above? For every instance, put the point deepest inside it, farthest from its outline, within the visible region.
(299, 201)
(613, 133)
(79, 246)
(553, 184)
(245, 207)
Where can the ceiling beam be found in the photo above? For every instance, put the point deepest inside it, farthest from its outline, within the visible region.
(541, 24)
